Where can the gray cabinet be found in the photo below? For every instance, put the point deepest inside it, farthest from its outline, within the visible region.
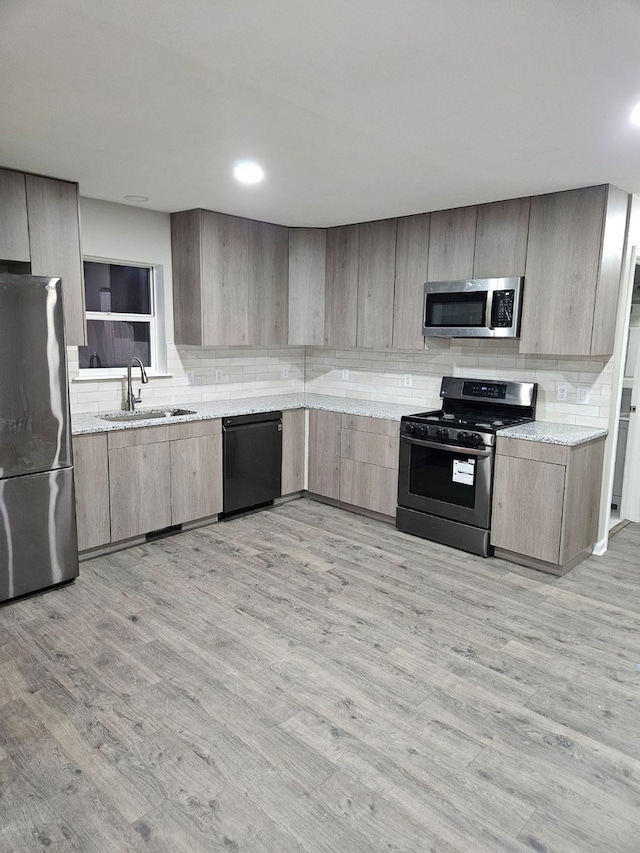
(369, 463)
(546, 500)
(574, 259)
(376, 273)
(91, 474)
(307, 273)
(165, 475)
(412, 253)
(14, 227)
(452, 244)
(268, 283)
(501, 239)
(324, 453)
(196, 470)
(54, 244)
(341, 286)
(293, 452)
(230, 280)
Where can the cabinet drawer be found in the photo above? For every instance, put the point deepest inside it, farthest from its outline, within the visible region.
(369, 486)
(167, 432)
(363, 423)
(370, 448)
(542, 451)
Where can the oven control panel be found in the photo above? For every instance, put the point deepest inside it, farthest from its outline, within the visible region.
(437, 433)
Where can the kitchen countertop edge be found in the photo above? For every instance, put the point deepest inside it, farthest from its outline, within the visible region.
(547, 432)
(84, 423)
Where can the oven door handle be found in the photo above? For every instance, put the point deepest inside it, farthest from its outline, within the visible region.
(457, 448)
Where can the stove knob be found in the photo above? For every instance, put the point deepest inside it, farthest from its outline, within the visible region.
(410, 429)
(463, 437)
(475, 439)
(422, 431)
(442, 433)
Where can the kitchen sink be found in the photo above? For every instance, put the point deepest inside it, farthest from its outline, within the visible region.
(146, 415)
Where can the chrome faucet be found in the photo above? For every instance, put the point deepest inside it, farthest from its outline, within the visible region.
(131, 397)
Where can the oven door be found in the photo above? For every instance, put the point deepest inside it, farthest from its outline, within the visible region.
(446, 480)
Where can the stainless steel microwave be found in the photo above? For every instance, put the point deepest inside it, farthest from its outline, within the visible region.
(473, 308)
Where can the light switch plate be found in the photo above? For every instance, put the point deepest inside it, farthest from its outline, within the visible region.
(345, 375)
(190, 377)
(218, 375)
(285, 372)
(583, 395)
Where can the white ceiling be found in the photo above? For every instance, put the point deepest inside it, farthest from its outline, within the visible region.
(357, 109)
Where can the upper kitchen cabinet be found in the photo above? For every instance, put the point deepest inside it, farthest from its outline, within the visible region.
(39, 226)
(376, 272)
(14, 227)
(307, 273)
(412, 252)
(268, 283)
(572, 275)
(229, 280)
(501, 239)
(341, 286)
(452, 244)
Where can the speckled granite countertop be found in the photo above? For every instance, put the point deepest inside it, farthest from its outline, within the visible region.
(90, 423)
(567, 434)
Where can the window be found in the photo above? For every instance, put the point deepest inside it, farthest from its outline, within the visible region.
(121, 311)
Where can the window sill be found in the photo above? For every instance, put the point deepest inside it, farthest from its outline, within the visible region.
(98, 377)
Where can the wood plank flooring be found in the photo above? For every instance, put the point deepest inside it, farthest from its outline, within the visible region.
(305, 679)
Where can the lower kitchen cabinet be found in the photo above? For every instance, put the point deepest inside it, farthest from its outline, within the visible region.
(196, 477)
(161, 476)
(369, 463)
(324, 453)
(546, 500)
(293, 430)
(91, 470)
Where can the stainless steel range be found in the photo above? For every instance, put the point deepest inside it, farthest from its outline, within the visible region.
(446, 460)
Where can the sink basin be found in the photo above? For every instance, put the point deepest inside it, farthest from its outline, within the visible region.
(146, 415)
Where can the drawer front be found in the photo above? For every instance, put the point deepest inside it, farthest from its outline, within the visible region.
(370, 448)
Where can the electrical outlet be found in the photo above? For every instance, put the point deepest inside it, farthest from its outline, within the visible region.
(562, 392)
(345, 375)
(408, 380)
(218, 375)
(285, 372)
(190, 376)
(583, 395)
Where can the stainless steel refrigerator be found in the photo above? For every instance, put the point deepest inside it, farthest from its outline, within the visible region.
(38, 540)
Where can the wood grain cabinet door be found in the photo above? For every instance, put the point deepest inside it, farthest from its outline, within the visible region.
(341, 292)
(14, 228)
(139, 489)
(307, 273)
(501, 239)
(376, 273)
(268, 283)
(196, 478)
(412, 252)
(324, 453)
(54, 240)
(452, 244)
(528, 503)
(293, 435)
(91, 474)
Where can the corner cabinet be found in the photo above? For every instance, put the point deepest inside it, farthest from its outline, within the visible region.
(572, 275)
(546, 500)
(230, 280)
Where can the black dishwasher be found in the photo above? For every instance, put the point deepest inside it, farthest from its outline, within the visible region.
(252, 461)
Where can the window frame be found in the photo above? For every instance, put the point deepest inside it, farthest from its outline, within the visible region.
(155, 319)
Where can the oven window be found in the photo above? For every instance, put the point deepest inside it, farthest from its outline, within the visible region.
(456, 310)
(431, 475)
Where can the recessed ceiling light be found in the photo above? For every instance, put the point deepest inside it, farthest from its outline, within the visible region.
(139, 198)
(635, 115)
(248, 172)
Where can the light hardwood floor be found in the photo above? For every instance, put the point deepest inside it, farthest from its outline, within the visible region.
(305, 679)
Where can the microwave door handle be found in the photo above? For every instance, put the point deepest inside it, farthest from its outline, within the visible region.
(489, 310)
